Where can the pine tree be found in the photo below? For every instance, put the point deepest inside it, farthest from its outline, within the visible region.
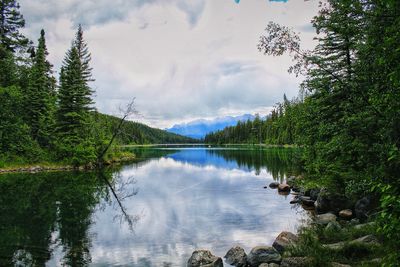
(40, 96)
(11, 21)
(75, 95)
(71, 114)
(11, 41)
(85, 58)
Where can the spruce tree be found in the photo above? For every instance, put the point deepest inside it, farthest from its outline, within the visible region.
(11, 21)
(40, 96)
(75, 95)
(71, 112)
(85, 58)
(11, 41)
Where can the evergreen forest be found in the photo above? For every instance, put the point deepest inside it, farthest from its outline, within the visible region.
(346, 117)
(52, 119)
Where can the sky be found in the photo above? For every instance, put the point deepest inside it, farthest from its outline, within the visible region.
(181, 60)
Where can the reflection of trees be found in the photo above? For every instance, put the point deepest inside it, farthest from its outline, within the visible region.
(42, 211)
(144, 153)
(122, 188)
(279, 162)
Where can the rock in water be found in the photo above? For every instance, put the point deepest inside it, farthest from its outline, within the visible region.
(274, 185)
(284, 188)
(204, 258)
(283, 240)
(263, 254)
(236, 256)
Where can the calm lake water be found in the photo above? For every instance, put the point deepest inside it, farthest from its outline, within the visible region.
(154, 212)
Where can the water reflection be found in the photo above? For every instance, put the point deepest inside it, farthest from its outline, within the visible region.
(151, 213)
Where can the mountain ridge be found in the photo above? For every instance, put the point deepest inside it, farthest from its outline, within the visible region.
(199, 128)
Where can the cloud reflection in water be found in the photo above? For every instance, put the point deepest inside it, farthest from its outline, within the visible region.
(189, 200)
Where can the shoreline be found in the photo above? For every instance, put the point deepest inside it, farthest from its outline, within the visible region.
(59, 167)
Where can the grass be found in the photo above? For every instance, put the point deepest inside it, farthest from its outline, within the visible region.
(313, 237)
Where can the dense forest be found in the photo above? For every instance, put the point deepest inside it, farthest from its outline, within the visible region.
(348, 118)
(280, 127)
(45, 119)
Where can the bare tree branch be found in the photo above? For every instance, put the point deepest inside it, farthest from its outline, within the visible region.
(127, 112)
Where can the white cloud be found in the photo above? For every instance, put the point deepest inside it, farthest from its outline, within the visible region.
(181, 61)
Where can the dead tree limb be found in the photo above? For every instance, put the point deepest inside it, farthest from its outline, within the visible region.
(128, 111)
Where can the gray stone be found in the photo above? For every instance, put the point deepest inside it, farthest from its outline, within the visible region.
(295, 200)
(365, 240)
(204, 258)
(274, 185)
(326, 218)
(364, 225)
(283, 240)
(327, 202)
(354, 221)
(236, 256)
(263, 254)
(307, 201)
(296, 262)
(333, 226)
(314, 193)
(268, 265)
(336, 264)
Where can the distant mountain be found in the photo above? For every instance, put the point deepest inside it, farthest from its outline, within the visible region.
(199, 128)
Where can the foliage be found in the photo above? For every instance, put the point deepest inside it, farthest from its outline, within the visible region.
(280, 127)
(11, 21)
(40, 96)
(40, 121)
(350, 124)
(15, 140)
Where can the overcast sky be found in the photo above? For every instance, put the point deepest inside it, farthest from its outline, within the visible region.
(181, 59)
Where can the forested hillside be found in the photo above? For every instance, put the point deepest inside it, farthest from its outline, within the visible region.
(280, 127)
(138, 133)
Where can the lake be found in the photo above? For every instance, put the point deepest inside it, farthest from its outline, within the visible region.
(152, 212)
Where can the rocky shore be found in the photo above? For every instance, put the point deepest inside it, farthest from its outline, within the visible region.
(329, 212)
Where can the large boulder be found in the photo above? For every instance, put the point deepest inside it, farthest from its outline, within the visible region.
(307, 201)
(263, 254)
(204, 258)
(296, 262)
(236, 256)
(314, 193)
(333, 202)
(283, 240)
(325, 219)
